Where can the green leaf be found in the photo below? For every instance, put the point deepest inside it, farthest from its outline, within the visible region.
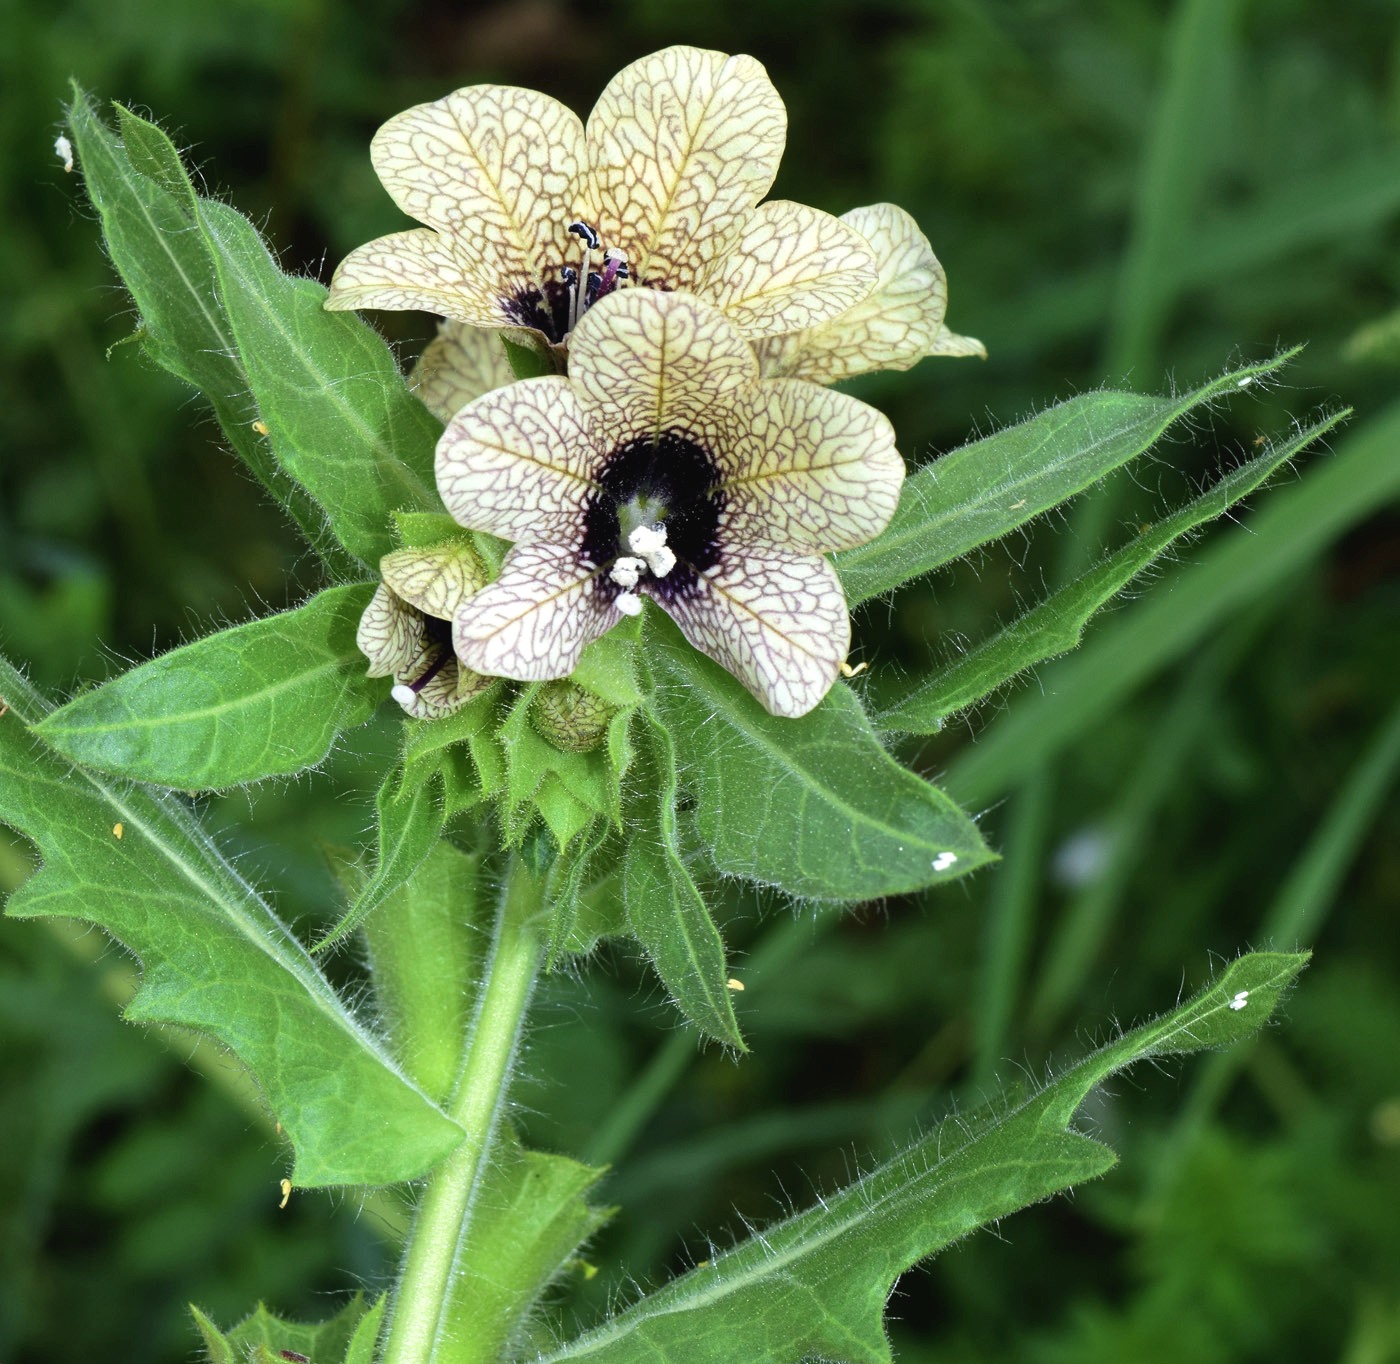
(339, 415)
(982, 491)
(169, 271)
(259, 700)
(262, 1337)
(214, 957)
(1285, 534)
(814, 805)
(1057, 624)
(410, 821)
(816, 1284)
(425, 952)
(528, 1220)
(665, 909)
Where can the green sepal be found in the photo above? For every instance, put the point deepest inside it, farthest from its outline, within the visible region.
(568, 789)
(258, 700)
(816, 1285)
(529, 358)
(261, 1337)
(814, 805)
(983, 491)
(463, 748)
(574, 913)
(1056, 625)
(420, 529)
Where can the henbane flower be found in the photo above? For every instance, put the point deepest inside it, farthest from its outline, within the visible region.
(664, 466)
(531, 218)
(893, 327)
(406, 633)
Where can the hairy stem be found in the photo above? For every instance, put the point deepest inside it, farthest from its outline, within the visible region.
(444, 1218)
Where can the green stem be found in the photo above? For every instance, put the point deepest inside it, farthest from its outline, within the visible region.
(492, 1039)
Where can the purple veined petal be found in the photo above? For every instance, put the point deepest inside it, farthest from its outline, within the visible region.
(682, 144)
(776, 620)
(645, 362)
(532, 623)
(518, 462)
(791, 267)
(807, 468)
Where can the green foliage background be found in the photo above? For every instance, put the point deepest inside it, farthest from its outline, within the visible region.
(1129, 192)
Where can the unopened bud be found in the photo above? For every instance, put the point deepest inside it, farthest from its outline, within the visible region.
(573, 720)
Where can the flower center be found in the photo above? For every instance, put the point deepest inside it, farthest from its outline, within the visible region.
(653, 521)
(554, 306)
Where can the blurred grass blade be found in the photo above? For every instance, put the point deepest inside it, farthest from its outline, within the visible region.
(214, 957)
(1185, 147)
(1057, 624)
(814, 805)
(259, 700)
(816, 1285)
(1294, 525)
(982, 491)
(170, 274)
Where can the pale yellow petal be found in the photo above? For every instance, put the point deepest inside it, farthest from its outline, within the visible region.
(518, 462)
(532, 623)
(896, 325)
(447, 690)
(417, 269)
(435, 579)
(776, 620)
(644, 362)
(683, 144)
(457, 366)
(388, 634)
(792, 267)
(501, 170)
(808, 468)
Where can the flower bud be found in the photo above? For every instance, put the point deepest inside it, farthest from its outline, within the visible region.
(573, 720)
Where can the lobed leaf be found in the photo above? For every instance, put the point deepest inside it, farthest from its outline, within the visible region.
(665, 909)
(258, 700)
(339, 439)
(815, 1285)
(813, 805)
(410, 821)
(214, 957)
(981, 491)
(146, 222)
(528, 1220)
(1056, 625)
(425, 954)
(339, 415)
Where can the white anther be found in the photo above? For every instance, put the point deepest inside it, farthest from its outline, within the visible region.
(661, 561)
(625, 571)
(1240, 1000)
(647, 539)
(404, 695)
(629, 603)
(650, 543)
(944, 860)
(63, 149)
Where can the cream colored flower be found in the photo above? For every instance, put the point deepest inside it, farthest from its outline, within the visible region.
(664, 466)
(457, 366)
(897, 324)
(531, 218)
(406, 633)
